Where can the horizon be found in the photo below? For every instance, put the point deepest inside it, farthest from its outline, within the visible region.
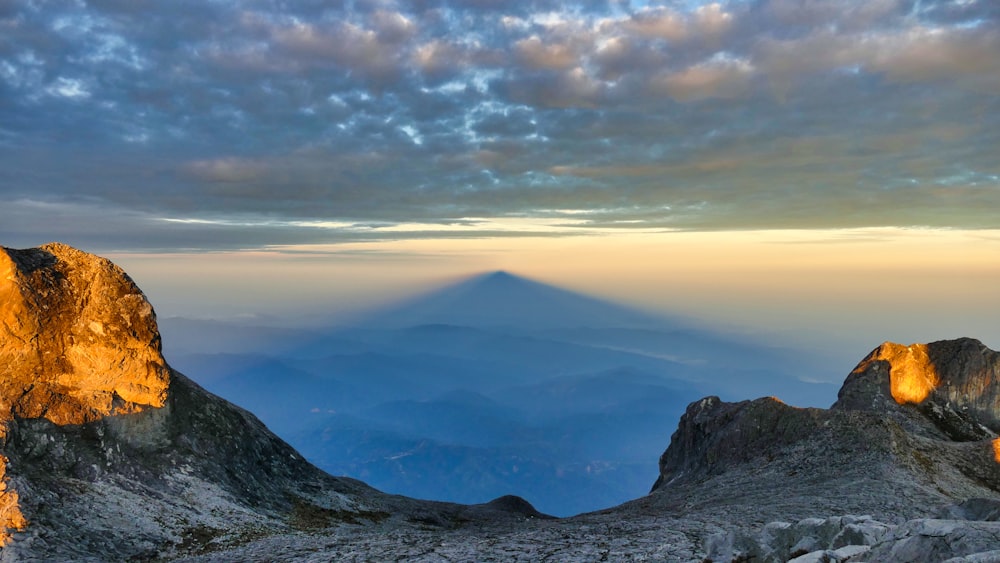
(830, 289)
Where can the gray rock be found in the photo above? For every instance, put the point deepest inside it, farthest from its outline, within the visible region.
(937, 540)
(984, 557)
(984, 509)
(844, 554)
(862, 532)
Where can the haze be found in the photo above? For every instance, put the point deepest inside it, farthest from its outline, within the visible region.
(843, 290)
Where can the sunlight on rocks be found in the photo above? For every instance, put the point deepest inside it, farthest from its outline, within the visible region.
(913, 375)
(11, 518)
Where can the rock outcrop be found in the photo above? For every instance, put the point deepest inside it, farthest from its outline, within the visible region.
(78, 341)
(955, 384)
(913, 429)
(963, 535)
(109, 454)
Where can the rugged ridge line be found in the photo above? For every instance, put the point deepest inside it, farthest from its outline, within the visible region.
(942, 392)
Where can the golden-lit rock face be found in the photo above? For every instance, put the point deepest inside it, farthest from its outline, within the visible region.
(78, 341)
(912, 375)
(11, 517)
(996, 450)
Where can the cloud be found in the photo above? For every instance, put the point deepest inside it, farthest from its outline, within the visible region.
(705, 23)
(719, 77)
(916, 54)
(698, 115)
(537, 55)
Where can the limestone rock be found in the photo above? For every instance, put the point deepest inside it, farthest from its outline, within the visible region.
(78, 341)
(713, 435)
(837, 538)
(937, 540)
(842, 555)
(992, 556)
(982, 509)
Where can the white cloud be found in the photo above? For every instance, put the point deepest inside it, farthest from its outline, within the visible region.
(72, 88)
(791, 112)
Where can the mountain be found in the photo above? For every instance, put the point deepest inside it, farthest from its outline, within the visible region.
(108, 454)
(901, 469)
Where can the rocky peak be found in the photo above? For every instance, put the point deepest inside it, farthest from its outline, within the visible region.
(78, 340)
(714, 435)
(917, 421)
(953, 383)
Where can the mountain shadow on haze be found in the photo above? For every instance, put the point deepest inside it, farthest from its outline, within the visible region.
(494, 385)
(501, 299)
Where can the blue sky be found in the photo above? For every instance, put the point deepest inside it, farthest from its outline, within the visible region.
(138, 125)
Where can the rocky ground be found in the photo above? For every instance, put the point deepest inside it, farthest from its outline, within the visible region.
(634, 537)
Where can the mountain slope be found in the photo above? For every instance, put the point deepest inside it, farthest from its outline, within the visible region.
(873, 452)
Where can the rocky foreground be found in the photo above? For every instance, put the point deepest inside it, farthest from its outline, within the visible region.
(111, 455)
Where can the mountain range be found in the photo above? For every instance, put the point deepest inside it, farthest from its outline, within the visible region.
(111, 454)
(493, 385)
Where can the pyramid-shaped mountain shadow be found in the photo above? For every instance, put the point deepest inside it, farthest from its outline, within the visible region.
(502, 299)
(574, 382)
(517, 317)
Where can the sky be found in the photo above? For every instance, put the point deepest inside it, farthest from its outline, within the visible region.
(783, 163)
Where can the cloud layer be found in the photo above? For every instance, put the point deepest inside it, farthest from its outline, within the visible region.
(243, 124)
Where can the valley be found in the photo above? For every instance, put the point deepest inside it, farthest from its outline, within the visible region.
(495, 385)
